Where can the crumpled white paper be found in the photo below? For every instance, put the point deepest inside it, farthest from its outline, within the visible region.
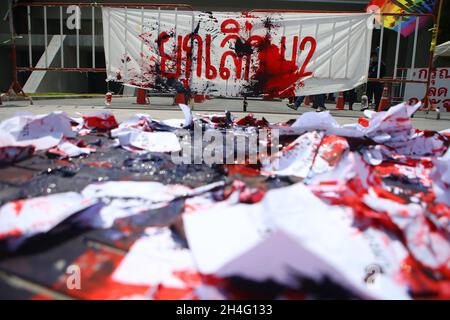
(126, 198)
(179, 123)
(68, 149)
(297, 158)
(309, 237)
(153, 259)
(41, 131)
(441, 176)
(149, 141)
(27, 217)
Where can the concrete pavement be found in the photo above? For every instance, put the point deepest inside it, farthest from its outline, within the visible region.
(161, 108)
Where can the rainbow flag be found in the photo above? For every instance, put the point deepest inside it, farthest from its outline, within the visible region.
(406, 25)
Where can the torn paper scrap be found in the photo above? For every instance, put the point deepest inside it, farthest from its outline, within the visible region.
(154, 260)
(41, 131)
(127, 198)
(180, 123)
(148, 141)
(148, 190)
(28, 217)
(103, 120)
(67, 149)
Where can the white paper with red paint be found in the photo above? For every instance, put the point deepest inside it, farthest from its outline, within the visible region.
(154, 260)
(310, 121)
(310, 154)
(292, 232)
(127, 198)
(230, 53)
(41, 131)
(149, 141)
(67, 149)
(28, 217)
(103, 120)
(441, 175)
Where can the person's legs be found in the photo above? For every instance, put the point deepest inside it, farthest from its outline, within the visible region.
(315, 101)
(322, 101)
(370, 91)
(319, 102)
(378, 92)
(351, 98)
(298, 101)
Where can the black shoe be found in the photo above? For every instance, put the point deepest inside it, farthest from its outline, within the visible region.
(320, 109)
(292, 106)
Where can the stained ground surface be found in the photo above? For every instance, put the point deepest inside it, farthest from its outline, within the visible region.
(161, 108)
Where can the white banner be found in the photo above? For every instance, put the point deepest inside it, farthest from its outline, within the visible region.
(439, 87)
(236, 54)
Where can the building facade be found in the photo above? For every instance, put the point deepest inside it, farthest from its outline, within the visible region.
(88, 82)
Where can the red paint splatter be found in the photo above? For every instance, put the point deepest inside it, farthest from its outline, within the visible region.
(97, 283)
(242, 170)
(103, 122)
(250, 120)
(18, 205)
(99, 164)
(363, 122)
(274, 75)
(422, 282)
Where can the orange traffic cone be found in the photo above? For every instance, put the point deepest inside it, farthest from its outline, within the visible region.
(199, 98)
(179, 98)
(307, 101)
(340, 101)
(142, 97)
(384, 102)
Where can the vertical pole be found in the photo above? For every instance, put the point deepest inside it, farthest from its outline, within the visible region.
(436, 18)
(93, 36)
(14, 83)
(45, 37)
(126, 43)
(61, 36)
(176, 22)
(191, 79)
(77, 28)
(397, 47)
(109, 40)
(30, 52)
(159, 21)
(380, 53)
(413, 62)
(142, 31)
